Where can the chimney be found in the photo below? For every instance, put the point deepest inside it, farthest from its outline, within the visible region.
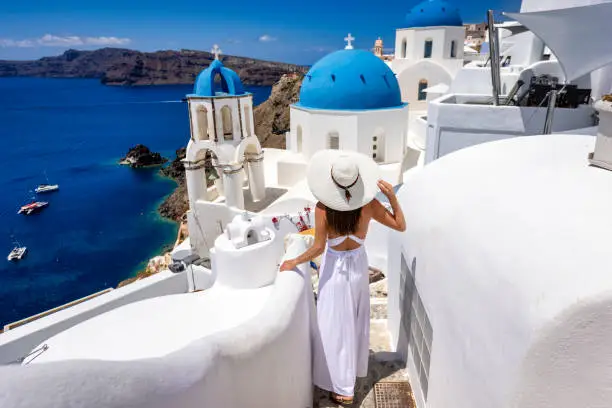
(602, 156)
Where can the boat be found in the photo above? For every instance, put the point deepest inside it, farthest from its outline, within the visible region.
(17, 253)
(47, 188)
(32, 207)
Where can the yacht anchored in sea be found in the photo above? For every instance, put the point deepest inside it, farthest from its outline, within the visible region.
(47, 187)
(33, 207)
(17, 253)
(493, 296)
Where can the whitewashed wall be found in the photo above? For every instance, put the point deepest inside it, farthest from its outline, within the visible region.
(224, 370)
(449, 130)
(519, 303)
(17, 343)
(355, 129)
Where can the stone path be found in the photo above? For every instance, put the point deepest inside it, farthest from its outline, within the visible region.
(383, 364)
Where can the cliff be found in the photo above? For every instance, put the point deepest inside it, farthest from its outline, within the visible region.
(177, 203)
(272, 117)
(141, 156)
(117, 66)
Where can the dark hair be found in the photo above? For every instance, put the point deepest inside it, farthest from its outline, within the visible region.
(343, 222)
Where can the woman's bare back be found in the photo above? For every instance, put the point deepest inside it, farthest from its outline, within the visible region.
(361, 232)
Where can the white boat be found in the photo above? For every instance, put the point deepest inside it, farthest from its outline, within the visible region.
(17, 253)
(47, 188)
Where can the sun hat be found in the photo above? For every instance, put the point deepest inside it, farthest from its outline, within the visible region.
(342, 180)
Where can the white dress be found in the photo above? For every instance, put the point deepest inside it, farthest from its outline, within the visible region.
(341, 344)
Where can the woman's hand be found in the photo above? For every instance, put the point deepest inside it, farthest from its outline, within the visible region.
(386, 188)
(288, 265)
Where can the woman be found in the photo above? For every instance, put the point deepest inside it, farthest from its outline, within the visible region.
(345, 185)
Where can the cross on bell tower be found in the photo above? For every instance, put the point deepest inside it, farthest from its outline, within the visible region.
(216, 51)
(349, 42)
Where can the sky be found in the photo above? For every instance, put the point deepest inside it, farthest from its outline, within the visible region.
(278, 30)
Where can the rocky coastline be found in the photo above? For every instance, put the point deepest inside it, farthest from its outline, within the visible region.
(141, 156)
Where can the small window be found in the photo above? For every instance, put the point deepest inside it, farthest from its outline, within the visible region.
(422, 87)
(373, 155)
(428, 49)
(374, 138)
(453, 50)
(404, 48)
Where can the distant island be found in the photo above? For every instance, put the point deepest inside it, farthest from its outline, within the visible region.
(117, 66)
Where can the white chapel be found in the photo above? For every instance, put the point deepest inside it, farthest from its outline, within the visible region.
(428, 52)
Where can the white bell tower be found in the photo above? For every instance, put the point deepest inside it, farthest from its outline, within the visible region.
(223, 145)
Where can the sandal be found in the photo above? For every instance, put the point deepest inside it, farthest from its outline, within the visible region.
(341, 399)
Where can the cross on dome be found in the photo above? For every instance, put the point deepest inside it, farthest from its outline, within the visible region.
(216, 51)
(349, 42)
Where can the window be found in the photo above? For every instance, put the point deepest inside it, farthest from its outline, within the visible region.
(333, 140)
(453, 50)
(299, 139)
(404, 48)
(422, 87)
(428, 49)
(226, 118)
(416, 324)
(378, 145)
(202, 123)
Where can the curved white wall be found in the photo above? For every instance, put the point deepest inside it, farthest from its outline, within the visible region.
(262, 363)
(519, 302)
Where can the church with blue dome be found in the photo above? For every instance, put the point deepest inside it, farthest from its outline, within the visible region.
(349, 100)
(429, 51)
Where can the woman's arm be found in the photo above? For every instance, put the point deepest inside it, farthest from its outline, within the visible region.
(393, 220)
(319, 242)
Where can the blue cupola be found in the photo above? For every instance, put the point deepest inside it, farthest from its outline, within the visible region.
(204, 85)
(433, 13)
(350, 80)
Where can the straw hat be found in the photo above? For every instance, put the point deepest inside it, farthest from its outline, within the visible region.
(341, 180)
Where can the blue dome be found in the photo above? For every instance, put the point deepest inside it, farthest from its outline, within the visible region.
(205, 82)
(350, 80)
(433, 13)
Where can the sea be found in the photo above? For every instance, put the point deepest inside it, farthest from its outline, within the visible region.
(102, 226)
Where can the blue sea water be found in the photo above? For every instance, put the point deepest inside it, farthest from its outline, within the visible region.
(103, 225)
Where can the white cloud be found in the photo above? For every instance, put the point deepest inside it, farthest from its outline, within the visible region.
(267, 38)
(7, 42)
(107, 41)
(49, 40)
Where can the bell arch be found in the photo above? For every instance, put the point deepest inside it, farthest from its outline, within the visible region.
(251, 154)
(227, 124)
(202, 123)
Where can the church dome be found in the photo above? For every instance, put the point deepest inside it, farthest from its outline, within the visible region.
(433, 13)
(205, 82)
(350, 80)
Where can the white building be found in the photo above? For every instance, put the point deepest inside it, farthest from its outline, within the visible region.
(429, 51)
(349, 100)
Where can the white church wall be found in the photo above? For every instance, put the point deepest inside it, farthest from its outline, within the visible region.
(450, 131)
(389, 126)
(524, 49)
(424, 73)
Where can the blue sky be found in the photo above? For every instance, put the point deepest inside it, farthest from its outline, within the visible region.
(298, 32)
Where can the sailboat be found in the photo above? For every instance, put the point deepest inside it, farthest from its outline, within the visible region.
(46, 188)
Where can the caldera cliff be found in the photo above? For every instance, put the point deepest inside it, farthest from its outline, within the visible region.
(118, 66)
